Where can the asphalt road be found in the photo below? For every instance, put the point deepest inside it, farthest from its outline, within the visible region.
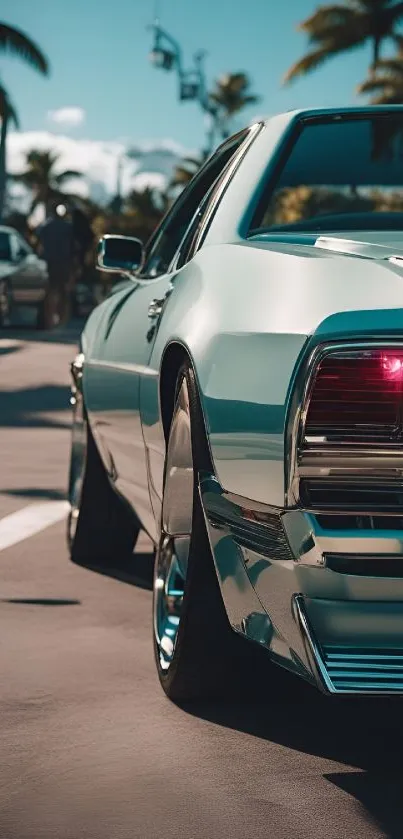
(89, 746)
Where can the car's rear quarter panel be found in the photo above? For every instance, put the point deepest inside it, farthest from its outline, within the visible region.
(245, 316)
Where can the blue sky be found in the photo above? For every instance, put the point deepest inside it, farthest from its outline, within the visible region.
(98, 51)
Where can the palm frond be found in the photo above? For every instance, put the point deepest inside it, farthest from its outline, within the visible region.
(66, 176)
(337, 28)
(392, 67)
(15, 42)
(393, 98)
(251, 99)
(194, 162)
(371, 85)
(43, 160)
(326, 19)
(308, 63)
(181, 176)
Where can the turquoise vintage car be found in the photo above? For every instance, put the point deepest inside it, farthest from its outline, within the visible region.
(239, 396)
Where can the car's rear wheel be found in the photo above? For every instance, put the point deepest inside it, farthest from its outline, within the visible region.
(101, 529)
(197, 653)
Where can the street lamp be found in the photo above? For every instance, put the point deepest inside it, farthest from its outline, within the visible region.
(161, 56)
(166, 54)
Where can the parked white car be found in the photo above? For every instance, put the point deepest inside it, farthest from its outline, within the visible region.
(23, 277)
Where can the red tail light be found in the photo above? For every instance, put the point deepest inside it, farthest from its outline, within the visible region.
(356, 396)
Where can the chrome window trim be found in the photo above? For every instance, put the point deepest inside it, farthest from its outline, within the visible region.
(217, 193)
(173, 265)
(232, 169)
(250, 133)
(295, 430)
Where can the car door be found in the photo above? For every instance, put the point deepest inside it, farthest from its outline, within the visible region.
(123, 355)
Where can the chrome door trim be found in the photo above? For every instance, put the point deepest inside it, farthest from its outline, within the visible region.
(124, 366)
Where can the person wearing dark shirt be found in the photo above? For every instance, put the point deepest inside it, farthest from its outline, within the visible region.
(56, 241)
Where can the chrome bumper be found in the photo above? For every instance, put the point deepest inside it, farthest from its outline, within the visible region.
(339, 630)
(348, 669)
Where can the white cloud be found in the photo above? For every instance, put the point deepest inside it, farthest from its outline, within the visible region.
(148, 164)
(71, 116)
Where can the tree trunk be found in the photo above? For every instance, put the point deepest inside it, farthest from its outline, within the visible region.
(3, 167)
(224, 127)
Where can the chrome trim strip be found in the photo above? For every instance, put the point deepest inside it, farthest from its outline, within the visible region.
(352, 247)
(349, 671)
(124, 366)
(374, 672)
(219, 190)
(260, 530)
(311, 648)
(76, 370)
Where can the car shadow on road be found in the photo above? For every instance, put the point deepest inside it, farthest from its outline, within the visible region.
(35, 492)
(12, 348)
(363, 733)
(40, 601)
(137, 570)
(69, 334)
(27, 407)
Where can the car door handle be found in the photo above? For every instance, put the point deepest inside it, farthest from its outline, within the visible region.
(156, 305)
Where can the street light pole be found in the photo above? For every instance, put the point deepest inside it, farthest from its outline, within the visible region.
(166, 54)
(206, 104)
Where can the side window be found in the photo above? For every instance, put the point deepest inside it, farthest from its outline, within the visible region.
(186, 246)
(170, 234)
(204, 215)
(24, 246)
(5, 247)
(20, 248)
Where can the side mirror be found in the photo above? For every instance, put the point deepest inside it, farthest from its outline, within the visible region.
(119, 254)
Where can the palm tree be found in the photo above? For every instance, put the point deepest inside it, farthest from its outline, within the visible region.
(14, 42)
(338, 28)
(184, 172)
(230, 95)
(385, 86)
(7, 114)
(142, 202)
(40, 176)
(144, 208)
(386, 83)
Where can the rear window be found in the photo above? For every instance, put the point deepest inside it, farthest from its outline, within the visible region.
(340, 174)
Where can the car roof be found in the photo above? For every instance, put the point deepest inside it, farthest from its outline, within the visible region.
(347, 110)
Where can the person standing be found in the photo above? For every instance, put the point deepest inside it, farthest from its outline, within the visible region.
(56, 241)
(83, 238)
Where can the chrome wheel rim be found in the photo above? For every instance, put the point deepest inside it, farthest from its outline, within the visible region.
(78, 460)
(177, 512)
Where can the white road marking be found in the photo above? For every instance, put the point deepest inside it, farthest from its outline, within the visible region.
(30, 520)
